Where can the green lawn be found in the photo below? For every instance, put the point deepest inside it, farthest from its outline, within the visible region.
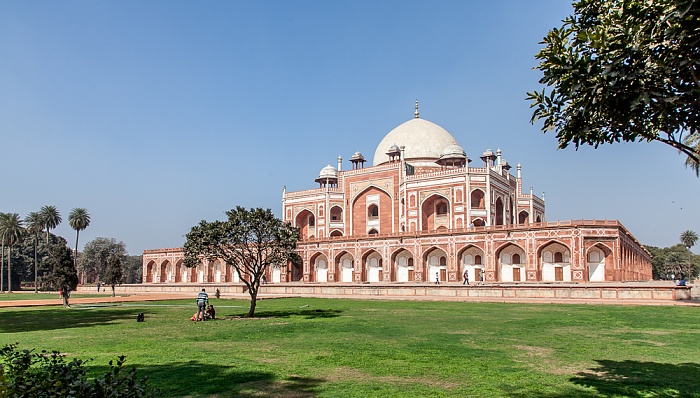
(350, 348)
(44, 296)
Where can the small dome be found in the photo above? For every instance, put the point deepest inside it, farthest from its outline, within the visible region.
(487, 153)
(453, 151)
(357, 156)
(328, 172)
(393, 149)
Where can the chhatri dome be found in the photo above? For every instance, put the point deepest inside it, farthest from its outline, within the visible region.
(424, 142)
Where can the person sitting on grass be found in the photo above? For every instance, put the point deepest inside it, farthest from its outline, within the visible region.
(211, 312)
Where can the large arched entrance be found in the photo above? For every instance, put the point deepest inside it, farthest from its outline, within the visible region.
(165, 271)
(372, 211)
(306, 222)
(180, 272)
(373, 267)
(499, 211)
(345, 267)
(320, 268)
(150, 270)
(472, 261)
(436, 260)
(435, 213)
(403, 266)
(511, 260)
(555, 263)
(597, 259)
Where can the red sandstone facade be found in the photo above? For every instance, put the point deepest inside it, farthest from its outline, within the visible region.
(422, 214)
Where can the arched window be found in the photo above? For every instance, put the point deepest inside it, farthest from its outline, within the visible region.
(441, 208)
(477, 259)
(443, 260)
(372, 211)
(516, 258)
(410, 262)
(558, 257)
(373, 232)
(523, 217)
(312, 220)
(336, 213)
(478, 199)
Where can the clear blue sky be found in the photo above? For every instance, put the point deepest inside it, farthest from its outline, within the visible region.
(154, 115)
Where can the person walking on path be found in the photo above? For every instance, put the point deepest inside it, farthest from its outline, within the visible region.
(437, 278)
(482, 278)
(466, 277)
(202, 302)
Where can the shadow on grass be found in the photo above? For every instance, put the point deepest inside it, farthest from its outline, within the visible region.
(32, 320)
(308, 314)
(201, 379)
(628, 379)
(642, 379)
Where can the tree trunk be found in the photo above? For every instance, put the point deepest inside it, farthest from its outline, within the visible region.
(113, 291)
(253, 299)
(36, 281)
(9, 270)
(2, 269)
(65, 298)
(77, 236)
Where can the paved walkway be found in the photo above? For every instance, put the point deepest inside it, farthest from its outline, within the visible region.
(244, 296)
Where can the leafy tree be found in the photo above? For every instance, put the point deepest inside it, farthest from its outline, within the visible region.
(104, 257)
(674, 260)
(113, 273)
(64, 276)
(250, 240)
(133, 269)
(34, 227)
(51, 218)
(79, 219)
(623, 70)
(11, 231)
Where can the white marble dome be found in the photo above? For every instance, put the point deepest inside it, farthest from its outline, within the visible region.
(423, 140)
(328, 172)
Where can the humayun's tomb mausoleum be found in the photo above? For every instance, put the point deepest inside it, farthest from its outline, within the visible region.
(422, 212)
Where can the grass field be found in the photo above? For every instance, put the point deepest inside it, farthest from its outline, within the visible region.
(351, 348)
(44, 296)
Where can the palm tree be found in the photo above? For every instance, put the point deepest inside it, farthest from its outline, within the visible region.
(2, 256)
(51, 218)
(35, 226)
(693, 140)
(689, 239)
(79, 219)
(11, 229)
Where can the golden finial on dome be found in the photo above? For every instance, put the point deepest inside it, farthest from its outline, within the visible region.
(415, 114)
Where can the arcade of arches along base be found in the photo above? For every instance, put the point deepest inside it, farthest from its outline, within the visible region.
(584, 251)
(422, 213)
